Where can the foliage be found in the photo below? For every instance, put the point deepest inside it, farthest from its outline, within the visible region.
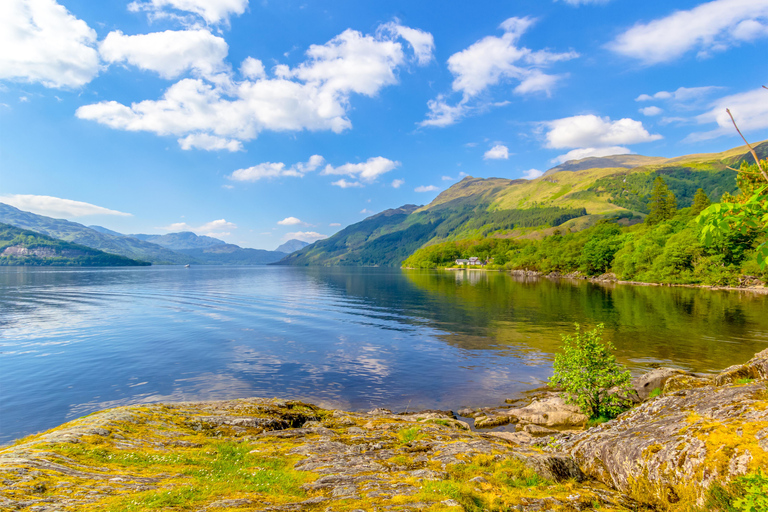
(737, 221)
(656, 392)
(700, 201)
(587, 370)
(755, 497)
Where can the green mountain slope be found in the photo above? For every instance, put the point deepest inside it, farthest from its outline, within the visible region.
(79, 234)
(24, 247)
(570, 197)
(229, 254)
(181, 240)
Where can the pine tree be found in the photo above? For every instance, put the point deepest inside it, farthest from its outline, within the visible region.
(700, 201)
(663, 204)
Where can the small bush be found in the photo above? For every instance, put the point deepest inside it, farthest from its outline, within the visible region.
(587, 370)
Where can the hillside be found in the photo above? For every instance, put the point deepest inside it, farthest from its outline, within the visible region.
(229, 254)
(26, 248)
(292, 245)
(181, 240)
(569, 196)
(77, 233)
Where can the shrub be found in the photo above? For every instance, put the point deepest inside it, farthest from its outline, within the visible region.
(590, 375)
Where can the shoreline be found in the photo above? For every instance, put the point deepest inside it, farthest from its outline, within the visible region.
(577, 276)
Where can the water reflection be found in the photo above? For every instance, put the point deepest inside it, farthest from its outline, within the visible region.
(77, 340)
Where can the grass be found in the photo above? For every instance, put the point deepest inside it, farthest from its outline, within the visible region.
(408, 435)
(597, 420)
(745, 380)
(656, 392)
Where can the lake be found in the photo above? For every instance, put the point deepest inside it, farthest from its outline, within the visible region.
(73, 340)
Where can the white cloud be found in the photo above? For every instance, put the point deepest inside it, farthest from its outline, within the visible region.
(749, 109)
(426, 188)
(594, 131)
(170, 53)
(532, 174)
(305, 236)
(334, 224)
(366, 172)
(313, 96)
(684, 98)
(253, 69)
(289, 221)
(212, 11)
(346, 184)
(397, 183)
(40, 41)
(709, 27)
(365, 211)
(56, 207)
(447, 178)
(651, 111)
(209, 228)
(497, 152)
(490, 61)
(209, 143)
(423, 43)
(578, 154)
(277, 169)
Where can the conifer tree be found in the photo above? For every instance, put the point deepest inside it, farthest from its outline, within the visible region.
(700, 201)
(663, 204)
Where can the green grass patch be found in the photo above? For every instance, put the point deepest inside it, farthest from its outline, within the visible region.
(745, 380)
(656, 392)
(408, 435)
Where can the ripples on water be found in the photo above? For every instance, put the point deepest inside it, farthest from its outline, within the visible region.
(77, 340)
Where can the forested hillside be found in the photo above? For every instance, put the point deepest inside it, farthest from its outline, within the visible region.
(24, 247)
(569, 198)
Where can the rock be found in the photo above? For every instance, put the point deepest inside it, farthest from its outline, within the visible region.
(493, 421)
(549, 411)
(756, 368)
(655, 379)
(672, 449)
(679, 382)
(538, 430)
(519, 438)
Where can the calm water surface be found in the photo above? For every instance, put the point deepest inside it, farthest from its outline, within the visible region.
(76, 340)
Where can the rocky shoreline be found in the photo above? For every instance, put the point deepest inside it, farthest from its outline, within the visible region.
(688, 434)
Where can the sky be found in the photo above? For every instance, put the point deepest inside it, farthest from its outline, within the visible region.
(261, 121)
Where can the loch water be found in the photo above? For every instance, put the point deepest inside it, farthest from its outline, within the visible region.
(76, 340)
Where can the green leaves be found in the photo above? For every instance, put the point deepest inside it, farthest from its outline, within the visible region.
(590, 375)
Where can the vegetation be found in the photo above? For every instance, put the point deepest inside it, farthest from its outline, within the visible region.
(22, 247)
(587, 370)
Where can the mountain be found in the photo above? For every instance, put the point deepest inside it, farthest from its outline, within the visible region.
(181, 240)
(77, 233)
(292, 245)
(24, 247)
(229, 254)
(572, 196)
(106, 231)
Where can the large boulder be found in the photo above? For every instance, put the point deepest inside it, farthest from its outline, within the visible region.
(756, 369)
(549, 410)
(671, 450)
(655, 379)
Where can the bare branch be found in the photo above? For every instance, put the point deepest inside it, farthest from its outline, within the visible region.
(751, 150)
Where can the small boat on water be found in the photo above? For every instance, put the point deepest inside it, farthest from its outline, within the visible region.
(186, 266)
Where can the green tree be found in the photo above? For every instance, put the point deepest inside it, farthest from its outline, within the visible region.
(587, 370)
(700, 201)
(663, 204)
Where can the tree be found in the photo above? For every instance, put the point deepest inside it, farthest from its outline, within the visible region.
(663, 204)
(700, 201)
(587, 370)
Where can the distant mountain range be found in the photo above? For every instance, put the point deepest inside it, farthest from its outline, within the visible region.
(292, 245)
(173, 248)
(23, 247)
(571, 196)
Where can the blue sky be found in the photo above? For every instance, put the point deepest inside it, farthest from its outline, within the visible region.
(257, 122)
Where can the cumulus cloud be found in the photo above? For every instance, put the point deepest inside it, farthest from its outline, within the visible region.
(209, 143)
(334, 224)
(423, 43)
(497, 152)
(592, 135)
(397, 183)
(683, 98)
(277, 169)
(708, 28)
(532, 174)
(56, 206)
(305, 236)
(216, 227)
(342, 183)
(426, 188)
(290, 221)
(490, 61)
(169, 53)
(42, 42)
(365, 172)
(313, 96)
(212, 11)
(578, 154)
(651, 111)
(749, 109)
